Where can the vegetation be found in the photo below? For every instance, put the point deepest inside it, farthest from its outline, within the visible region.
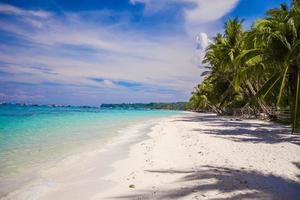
(255, 71)
(150, 106)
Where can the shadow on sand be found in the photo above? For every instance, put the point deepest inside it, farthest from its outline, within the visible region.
(230, 182)
(220, 183)
(243, 131)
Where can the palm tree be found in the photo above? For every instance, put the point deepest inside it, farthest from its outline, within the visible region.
(222, 58)
(275, 43)
(257, 69)
(222, 53)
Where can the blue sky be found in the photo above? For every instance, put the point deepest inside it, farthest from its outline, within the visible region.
(109, 51)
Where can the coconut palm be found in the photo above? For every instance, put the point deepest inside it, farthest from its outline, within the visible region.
(257, 69)
(275, 43)
(221, 57)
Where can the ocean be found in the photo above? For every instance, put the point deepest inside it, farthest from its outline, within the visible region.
(33, 136)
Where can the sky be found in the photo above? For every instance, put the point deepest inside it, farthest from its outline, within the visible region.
(90, 52)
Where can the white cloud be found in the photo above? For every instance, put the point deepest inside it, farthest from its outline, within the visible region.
(12, 10)
(110, 53)
(202, 42)
(200, 15)
(109, 84)
(198, 10)
(74, 50)
(206, 11)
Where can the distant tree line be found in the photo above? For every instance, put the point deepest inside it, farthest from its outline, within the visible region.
(165, 106)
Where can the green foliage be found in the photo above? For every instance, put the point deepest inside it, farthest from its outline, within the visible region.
(254, 70)
(150, 106)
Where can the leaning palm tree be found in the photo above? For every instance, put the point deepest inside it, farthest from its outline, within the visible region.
(275, 43)
(221, 59)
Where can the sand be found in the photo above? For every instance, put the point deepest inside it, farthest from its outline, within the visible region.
(189, 156)
(202, 156)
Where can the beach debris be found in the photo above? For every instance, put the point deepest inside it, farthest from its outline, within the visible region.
(131, 186)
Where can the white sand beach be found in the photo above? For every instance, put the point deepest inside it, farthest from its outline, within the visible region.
(202, 156)
(190, 156)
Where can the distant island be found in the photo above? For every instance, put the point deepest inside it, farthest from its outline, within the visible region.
(150, 106)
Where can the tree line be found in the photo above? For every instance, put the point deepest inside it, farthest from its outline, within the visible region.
(255, 71)
(150, 106)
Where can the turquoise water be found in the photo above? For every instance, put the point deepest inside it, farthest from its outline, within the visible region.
(33, 135)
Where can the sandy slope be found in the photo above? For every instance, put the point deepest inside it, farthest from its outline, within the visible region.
(201, 156)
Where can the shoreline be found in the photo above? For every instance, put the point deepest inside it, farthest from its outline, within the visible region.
(50, 177)
(185, 156)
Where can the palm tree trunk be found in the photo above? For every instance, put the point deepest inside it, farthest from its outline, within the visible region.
(260, 102)
(295, 99)
(253, 111)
